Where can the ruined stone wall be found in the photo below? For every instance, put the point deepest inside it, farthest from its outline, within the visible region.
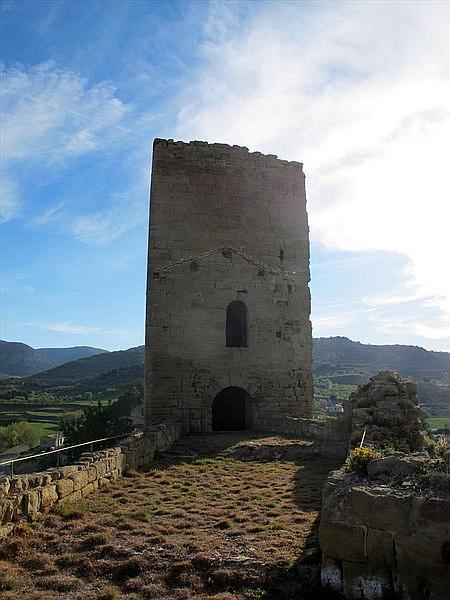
(226, 225)
(335, 431)
(381, 542)
(26, 496)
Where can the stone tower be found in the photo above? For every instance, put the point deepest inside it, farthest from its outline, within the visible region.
(228, 335)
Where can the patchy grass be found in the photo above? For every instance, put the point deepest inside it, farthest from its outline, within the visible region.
(220, 517)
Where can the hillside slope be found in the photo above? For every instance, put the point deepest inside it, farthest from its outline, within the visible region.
(18, 359)
(339, 356)
(59, 356)
(93, 366)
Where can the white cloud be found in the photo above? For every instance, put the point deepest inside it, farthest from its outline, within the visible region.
(357, 91)
(51, 114)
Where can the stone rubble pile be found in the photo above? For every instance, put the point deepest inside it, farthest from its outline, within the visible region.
(388, 409)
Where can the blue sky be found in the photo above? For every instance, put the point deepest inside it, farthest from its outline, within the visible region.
(357, 91)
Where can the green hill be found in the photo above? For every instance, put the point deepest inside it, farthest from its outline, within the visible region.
(339, 356)
(91, 367)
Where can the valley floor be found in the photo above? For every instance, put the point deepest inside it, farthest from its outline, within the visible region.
(224, 517)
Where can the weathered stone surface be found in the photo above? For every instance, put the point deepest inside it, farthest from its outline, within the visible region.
(35, 480)
(380, 547)
(8, 508)
(18, 483)
(32, 503)
(88, 489)
(226, 226)
(4, 486)
(398, 464)
(436, 510)
(379, 507)
(343, 540)
(64, 487)
(73, 497)
(65, 471)
(80, 479)
(49, 497)
(403, 550)
(387, 410)
(92, 474)
(5, 530)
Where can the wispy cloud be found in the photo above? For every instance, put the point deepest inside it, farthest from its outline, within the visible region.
(9, 199)
(432, 326)
(51, 114)
(52, 117)
(48, 215)
(125, 211)
(65, 327)
(333, 318)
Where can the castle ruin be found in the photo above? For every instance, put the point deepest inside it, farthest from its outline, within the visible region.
(228, 333)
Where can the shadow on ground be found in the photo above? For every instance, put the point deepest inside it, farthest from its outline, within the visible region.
(226, 516)
(314, 460)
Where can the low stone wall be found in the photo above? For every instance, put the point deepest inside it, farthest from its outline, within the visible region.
(26, 496)
(335, 430)
(382, 542)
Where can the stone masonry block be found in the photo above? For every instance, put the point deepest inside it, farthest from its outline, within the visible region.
(49, 497)
(343, 541)
(64, 487)
(375, 508)
(80, 479)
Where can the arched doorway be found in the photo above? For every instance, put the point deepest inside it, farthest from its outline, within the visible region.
(231, 410)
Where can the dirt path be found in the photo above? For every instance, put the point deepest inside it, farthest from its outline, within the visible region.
(223, 517)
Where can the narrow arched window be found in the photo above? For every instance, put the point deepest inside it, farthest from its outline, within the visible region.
(237, 324)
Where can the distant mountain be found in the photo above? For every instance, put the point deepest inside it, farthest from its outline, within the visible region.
(59, 356)
(339, 357)
(18, 359)
(92, 367)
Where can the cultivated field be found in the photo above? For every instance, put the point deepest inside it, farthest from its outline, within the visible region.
(223, 517)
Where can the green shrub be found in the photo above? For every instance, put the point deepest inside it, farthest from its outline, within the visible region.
(359, 458)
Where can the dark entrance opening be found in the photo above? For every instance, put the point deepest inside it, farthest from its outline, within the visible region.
(230, 410)
(236, 326)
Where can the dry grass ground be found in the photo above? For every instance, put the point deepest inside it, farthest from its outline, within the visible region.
(223, 517)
